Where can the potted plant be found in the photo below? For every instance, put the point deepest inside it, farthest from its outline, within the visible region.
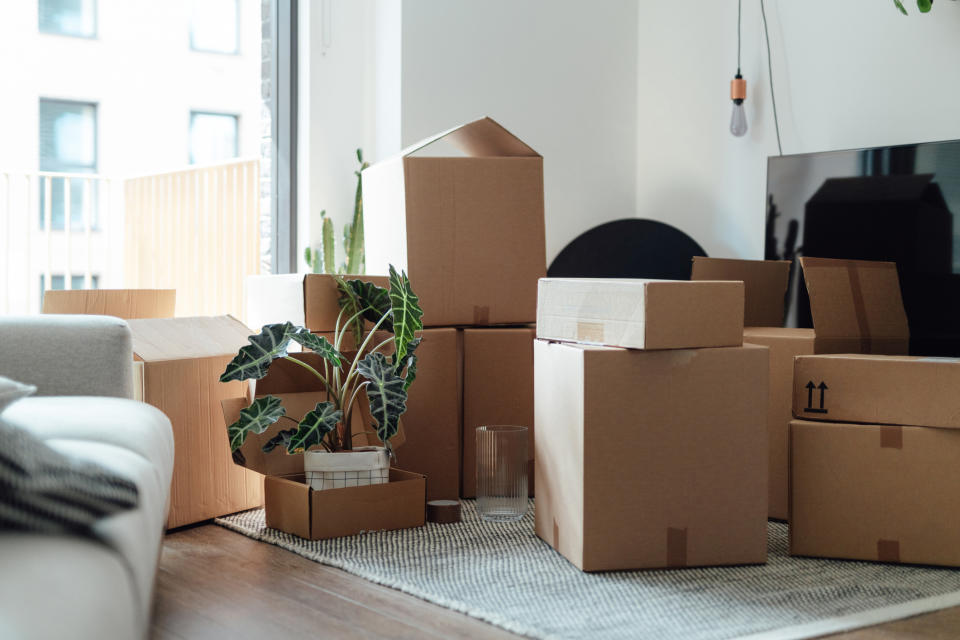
(324, 435)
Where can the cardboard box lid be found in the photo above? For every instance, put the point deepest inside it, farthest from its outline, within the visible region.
(765, 285)
(120, 303)
(159, 339)
(855, 299)
(483, 138)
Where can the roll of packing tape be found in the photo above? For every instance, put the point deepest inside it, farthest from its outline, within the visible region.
(443, 511)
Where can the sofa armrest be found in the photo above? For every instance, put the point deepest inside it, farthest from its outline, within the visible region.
(68, 355)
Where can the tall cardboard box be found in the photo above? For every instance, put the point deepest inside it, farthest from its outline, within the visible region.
(497, 390)
(651, 459)
(468, 230)
(875, 492)
(844, 295)
(178, 366)
(120, 303)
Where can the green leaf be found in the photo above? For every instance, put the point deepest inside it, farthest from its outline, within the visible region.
(409, 363)
(282, 439)
(256, 418)
(329, 248)
(388, 399)
(314, 427)
(367, 299)
(900, 6)
(407, 315)
(924, 5)
(318, 344)
(254, 360)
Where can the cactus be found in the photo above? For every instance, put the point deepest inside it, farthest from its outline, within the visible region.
(323, 259)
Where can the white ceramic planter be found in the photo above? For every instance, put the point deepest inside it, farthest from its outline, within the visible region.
(335, 470)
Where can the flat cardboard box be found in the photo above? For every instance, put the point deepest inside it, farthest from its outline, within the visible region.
(641, 314)
(307, 300)
(875, 492)
(469, 230)
(177, 369)
(292, 506)
(651, 459)
(121, 303)
(839, 300)
(497, 390)
(899, 390)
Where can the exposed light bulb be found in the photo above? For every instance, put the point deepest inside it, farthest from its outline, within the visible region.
(738, 93)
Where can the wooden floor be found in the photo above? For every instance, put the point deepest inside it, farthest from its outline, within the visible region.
(214, 583)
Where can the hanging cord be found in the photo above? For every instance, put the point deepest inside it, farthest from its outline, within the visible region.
(773, 99)
(739, 13)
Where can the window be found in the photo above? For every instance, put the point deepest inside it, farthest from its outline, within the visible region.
(68, 144)
(213, 137)
(69, 17)
(214, 26)
(58, 281)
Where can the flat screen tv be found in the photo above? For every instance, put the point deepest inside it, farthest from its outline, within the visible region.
(886, 203)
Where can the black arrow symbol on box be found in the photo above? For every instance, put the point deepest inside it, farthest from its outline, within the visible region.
(823, 387)
(810, 387)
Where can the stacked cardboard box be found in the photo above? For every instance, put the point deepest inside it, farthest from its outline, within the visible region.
(856, 308)
(875, 461)
(655, 455)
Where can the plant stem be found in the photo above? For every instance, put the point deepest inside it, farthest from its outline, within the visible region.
(363, 347)
(330, 390)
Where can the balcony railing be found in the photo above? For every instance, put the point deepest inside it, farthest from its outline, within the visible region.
(195, 230)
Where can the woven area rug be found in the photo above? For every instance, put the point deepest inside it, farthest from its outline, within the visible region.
(505, 575)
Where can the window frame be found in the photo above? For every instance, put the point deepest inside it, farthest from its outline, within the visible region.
(236, 35)
(94, 35)
(96, 133)
(208, 112)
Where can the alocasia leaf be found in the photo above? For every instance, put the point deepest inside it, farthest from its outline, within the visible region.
(256, 418)
(366, 299)
(282, 439)
(254, 360)
(314, 426)
(407, 315)
(409, 363)
(386, 393)
(318, 344)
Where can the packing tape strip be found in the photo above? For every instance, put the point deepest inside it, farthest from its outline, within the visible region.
(481, 315)
(443, 511)
(888, 550)
(891, 437)
(590, 331)
(676, 547)
(859, 308)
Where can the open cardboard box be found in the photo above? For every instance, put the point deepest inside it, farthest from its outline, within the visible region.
(856, 307)
(290, 504)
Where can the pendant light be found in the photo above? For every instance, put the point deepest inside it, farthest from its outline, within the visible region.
(738, 90)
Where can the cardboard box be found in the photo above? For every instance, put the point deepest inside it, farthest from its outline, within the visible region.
(307, 300)
(641, 314)
(872, 492)
(177, 369)
(844, 295)
(292, 506)
(497, 390)
(120, 303)
(468, 230)
(651, 459)
(903, 390)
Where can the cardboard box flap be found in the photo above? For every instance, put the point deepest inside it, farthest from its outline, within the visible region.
(765, 284)
(483, 138)
(855, 299)
(183, 338)
(120, 303)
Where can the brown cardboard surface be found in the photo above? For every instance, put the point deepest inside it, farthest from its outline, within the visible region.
(649, 459)
(856, 306)
(468, 230)
(641, 314)
(180, 362)
(872, 492)
(497, 390)
(899, 390)
(291, 506)
(121, 303)
(784, 344)
(765, 285)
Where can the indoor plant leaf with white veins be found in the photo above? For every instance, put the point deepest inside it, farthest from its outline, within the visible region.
(256, 418)
(386, 393)
(253, 360)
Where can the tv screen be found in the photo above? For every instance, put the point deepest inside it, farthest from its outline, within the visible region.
(885, 203)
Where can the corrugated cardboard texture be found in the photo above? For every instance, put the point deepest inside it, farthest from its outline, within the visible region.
(641, 314)
(470, 231)
(765, 283)
(649, 459)
(856, 306)
(856, 495)
(784, 345)
(878, 389)
(160, 339)
(293, 507)
(497, 390)
(121, 303)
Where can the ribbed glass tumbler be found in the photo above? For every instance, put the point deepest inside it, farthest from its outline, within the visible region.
(502, 473)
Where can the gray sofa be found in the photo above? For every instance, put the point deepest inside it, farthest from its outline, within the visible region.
(69, 586)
